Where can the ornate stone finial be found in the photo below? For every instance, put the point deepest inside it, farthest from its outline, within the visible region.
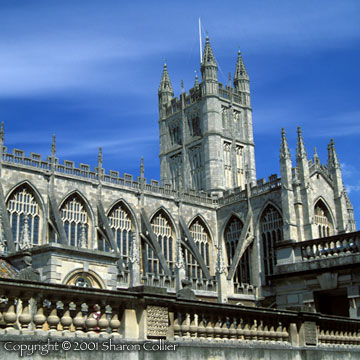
(2, 235)
(165, 83)
(25, 241)
(300, 148)
(220, 264)
(180, 264)
(182, 86)
(240, 70)
(134, 253)
(229, 79)
(208, 55)
(53, 146)
(2, 133)
(142, 170)
(196, 84)
(333, 161)
(83, 238)
(100, 158)
(284, 148)
(316, 158)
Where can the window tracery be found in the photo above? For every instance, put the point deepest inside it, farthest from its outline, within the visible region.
(323, 220)
(165, 236)
(271, 225)
(24, 216)
(232, 236)
(122, 228)
(76, 222)
(202, 240)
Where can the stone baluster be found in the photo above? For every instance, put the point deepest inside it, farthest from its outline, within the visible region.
(272, 334)
(266, 333)
(39, 317)
(53, 319)
(224, 329)
(240, 330)
(260, 331)
(25, 316)
(201, 329)
(103, 322)
(285, 334)
(217, 329)
(185, 325)
(246, 330)
(232, 330)
(253, 330)
(66, 319)
(79, 320)
(91, 322)
(10, 316)
(193, 326)
(177, 326)
(209, 329)
(114, 323)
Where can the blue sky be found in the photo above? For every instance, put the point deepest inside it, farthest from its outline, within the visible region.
(89, 71)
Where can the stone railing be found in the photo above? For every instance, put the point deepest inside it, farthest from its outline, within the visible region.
(159, 280)
(30, 308)
(330, 246)
(112, 178)
(204, 284)
(244, 289)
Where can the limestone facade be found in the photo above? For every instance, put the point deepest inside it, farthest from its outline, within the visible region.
(209, 220)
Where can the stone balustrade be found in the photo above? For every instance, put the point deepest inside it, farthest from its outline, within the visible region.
(51, 310)
(330, 246)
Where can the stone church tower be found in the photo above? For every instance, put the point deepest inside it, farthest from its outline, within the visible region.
(206, 136)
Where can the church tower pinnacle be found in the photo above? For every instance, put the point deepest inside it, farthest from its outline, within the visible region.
(209, 70)
(166, 92)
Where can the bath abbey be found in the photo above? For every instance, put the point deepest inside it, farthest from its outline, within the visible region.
(208, 254)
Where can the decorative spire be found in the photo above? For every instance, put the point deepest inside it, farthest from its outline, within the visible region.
(240, 70)
(134, 253)
(180, 264)
(83, 239)
(208, 56)
(25, 241)
(220, 264)
(100, 158)
(165, 83)
(196, 84)
(300, 148)
(316, 158)
(2, 132)
(333, 161)
(53, 146)
(142, 172)
(284, 148)
(2, 235)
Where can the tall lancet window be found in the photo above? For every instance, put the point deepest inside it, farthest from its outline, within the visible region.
(122, 228)
(24, 214)
(165, 236)
(227, 165)
(232, 237)
(76, 222)
(323, 220)
(271, 225)
(201, 238)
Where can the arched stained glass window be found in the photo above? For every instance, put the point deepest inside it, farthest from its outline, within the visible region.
(232, 236)
(323, 220)
(165, 236)
(202, 240)
(24, 215)
(271, 229)
(122, 228)
(76, 221)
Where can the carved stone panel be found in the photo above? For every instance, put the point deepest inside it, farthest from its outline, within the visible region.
(310, 332)
(157, 321)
